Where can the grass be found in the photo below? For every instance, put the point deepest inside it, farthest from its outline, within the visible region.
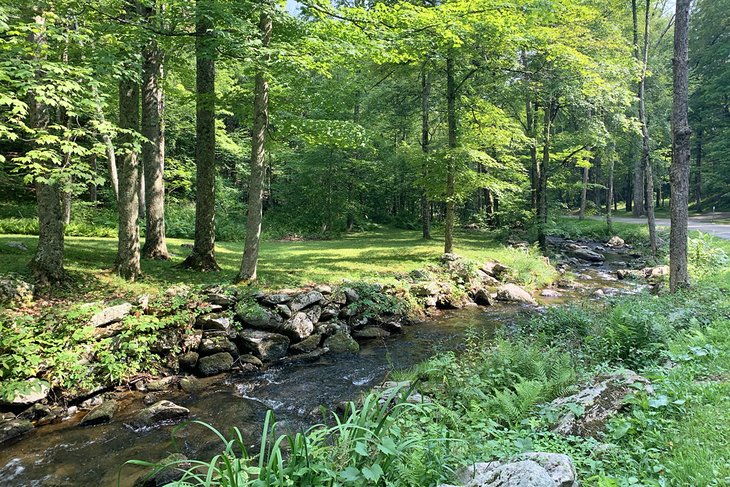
(368, 256)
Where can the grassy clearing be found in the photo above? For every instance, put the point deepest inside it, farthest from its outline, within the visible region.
(377, 255)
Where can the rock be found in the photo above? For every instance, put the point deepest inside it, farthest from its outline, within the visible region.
(419, 275)
(341, 342)
(351, 296)
(600, 401)
(486, 279)
(588, 255)
(17, 246)
(483, 298)
(267, 346)
(152, 397)
(188, 360)
(250, 360)
(160, 384)
(430, 302)
(559, 466)
(305, 357)
(274, 299)
(166, 341)
(191, 384)
(370, 332)
(324, 289)
(628, 274)
(258, 317)
(110, 315)
(103, 413)
(656, 273)
(219, 297)
(425, 290)
(215, 364)
(33, 390)
(550, 293)
(214, 321)
(616, 242)
(330, 311)
(192, 339)
(305, 299)
(307, 345)
(524, 473)
(217, 344)
(158, 412)
(515, 294)
(13, 429)
(299, 327)
(13, 289)
(496, 270)
(450, 257)
(178, 291)
(175, 467)
(283, 311)
(314, 313)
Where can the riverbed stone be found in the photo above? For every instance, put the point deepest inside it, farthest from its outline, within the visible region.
(483, 298)
(215, 364)
(616, 242)
(188, 360)
(341, 342)
(370, 333)
(191, 385)
(161, 384)
(14, 429)
(514, 294)
(110, 315)
(214, 321)
(307, 345)
(249, 359)
(588, 255)
(103, 413)
(217, 344)
(265, 345)
(158, 412)
(304, 300)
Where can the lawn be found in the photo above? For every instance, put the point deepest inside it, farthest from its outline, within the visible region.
(376, 255)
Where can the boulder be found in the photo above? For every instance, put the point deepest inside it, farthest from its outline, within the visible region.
(191, 385)
(174, 465)
(161, 384)
(298, 327)
(623, 274)
(16, 290)
(425, 290)
(656, 273)
(267, 346)
(110, 315)
(307, 345)
(283, 311)
(314, 313)
(524, 473)
(550, 293)
(588, 255)
(341, 342)
(483, 298)
(370, 333)
(215, 364)
(496, 270)
(324, 289)
(486, 279)
(330, 311)
(351, 296)
(559, 466)
(600, 400)
(158, 412)
(250, 360)
(214, 321)
(220, 297)
(616, 242)
(103, 413)
(188, 360)
(514, 294)
(13, 429)
(217, 344)
(305, 299)
(274, 299)
(258, 317)
(33, 390)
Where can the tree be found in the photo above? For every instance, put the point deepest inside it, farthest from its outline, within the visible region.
(258, 157)
(679, 173)
(203, 254)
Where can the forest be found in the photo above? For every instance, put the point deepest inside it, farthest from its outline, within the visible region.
(507, 219)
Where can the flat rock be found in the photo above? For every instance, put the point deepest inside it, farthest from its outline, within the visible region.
(265, 345)
(158, 412)
(307, 345)
(217, 344)
(305, 299)
(370, 332)
(110, 315)
(214, 321)
(14, 428)
(103, 413)
(514, 294)
(588, 255)
(215, 364)
(550, 293)
(274, 299)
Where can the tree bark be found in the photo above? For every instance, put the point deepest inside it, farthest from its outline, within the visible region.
(609, 192)
(645, 138)
(584, 193)
(542, 207)
(639, 186)
(679, 171)
(258, 158)
(153, 150)
(698, 178)
(425, 142)
(202, 258)
(451, 162)
(47, 263)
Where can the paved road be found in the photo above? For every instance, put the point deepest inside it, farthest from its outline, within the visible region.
(703, 223)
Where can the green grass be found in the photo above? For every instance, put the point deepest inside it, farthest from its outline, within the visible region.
(368, 256)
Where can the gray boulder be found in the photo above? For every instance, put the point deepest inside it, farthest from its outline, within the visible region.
(370, 332)
(527, 470)
(188, 360)
(559, 466)
(274, 299)
(16, 290)
(34, 390)
(299, 327)
(514, 294)
(215, 364)
(330, 311)
(616, 242)
(588, 255)
(307, 345)
(483, 298)
(161, 411)
(305, 299)
(191, 384)
(214, 321)
(341, 342)
(267, 346)
(110, 315)
(103, 413)
(217, 344)
(13, 429)
(258, 317)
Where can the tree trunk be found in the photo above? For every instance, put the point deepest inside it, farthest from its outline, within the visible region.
(451, 163)
(542, 207)
(47, 263)
(66, 200)
(645, 138)
(584, 193)
(202, 257)
(609, 192)
(425, 141)
(127, 265)
(531, 122)
(153, 150)
(679, 171)
(111, 158)
(639, 186)
(258, 158)
(698, 179)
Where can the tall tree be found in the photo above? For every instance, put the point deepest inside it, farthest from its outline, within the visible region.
(639, 186)
(202, 256)
(153, 149)
(451, 157)
(258, 156)
(679, 172)
(425, 148)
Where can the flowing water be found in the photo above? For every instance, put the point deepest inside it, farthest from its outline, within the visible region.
(65, 455)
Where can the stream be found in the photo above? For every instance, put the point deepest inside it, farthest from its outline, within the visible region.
(64, 454)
